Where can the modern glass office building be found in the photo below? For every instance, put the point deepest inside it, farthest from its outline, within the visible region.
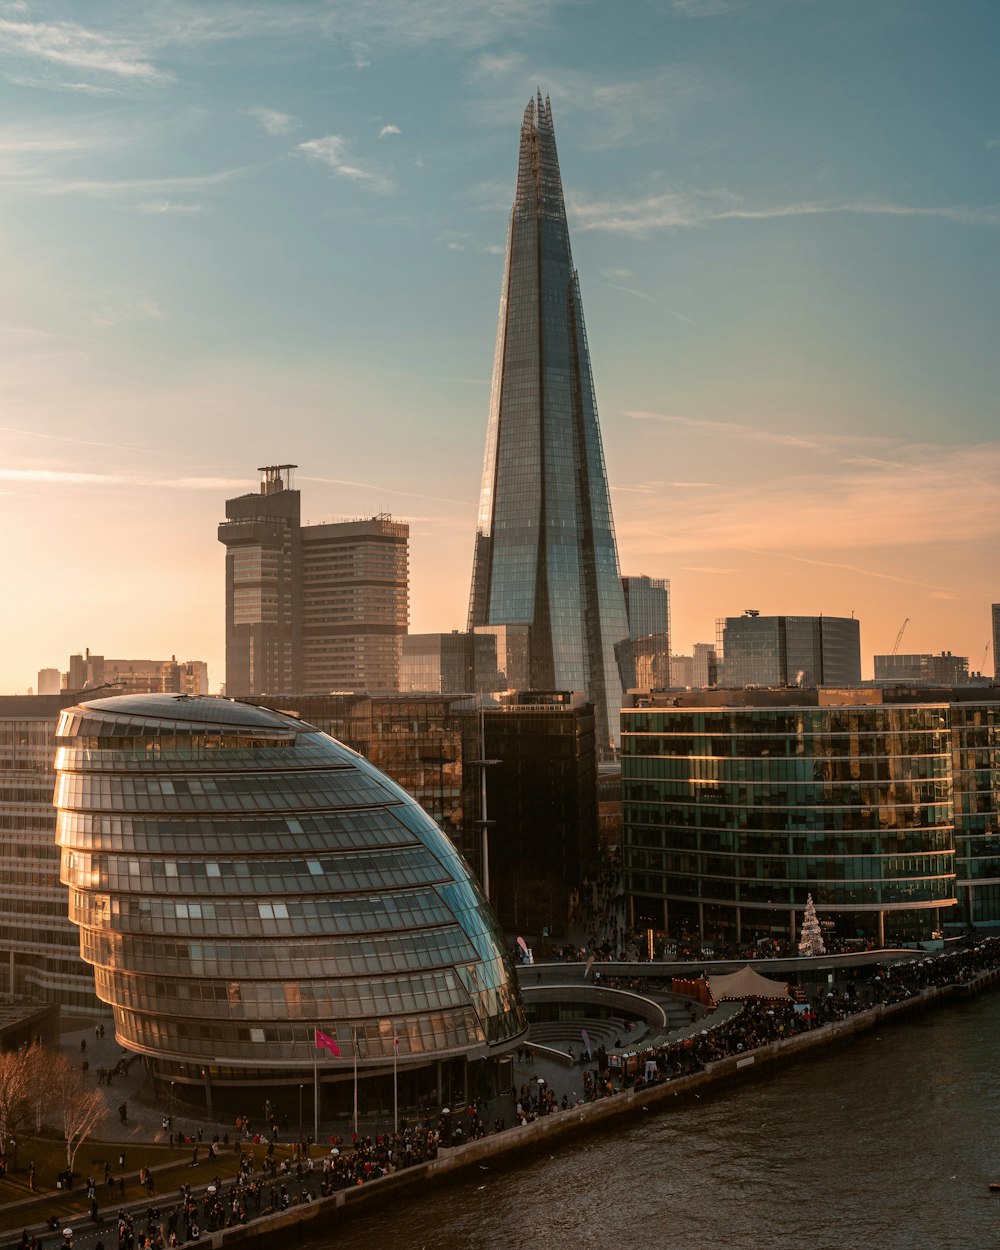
(739, 804)
(790, 650)
(240, 879)
(545, 546)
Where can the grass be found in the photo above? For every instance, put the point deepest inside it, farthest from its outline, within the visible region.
(19, 1208)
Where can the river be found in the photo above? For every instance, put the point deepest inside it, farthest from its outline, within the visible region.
(889, 1141)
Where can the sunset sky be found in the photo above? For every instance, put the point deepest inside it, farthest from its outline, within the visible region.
(239, 234)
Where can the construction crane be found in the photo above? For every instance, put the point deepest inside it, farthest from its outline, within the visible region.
(982, 666)
(899, 636)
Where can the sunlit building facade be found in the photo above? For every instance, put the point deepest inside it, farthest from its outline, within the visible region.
(739, 804)
(545, 552)
(790, 650)
(240, 879)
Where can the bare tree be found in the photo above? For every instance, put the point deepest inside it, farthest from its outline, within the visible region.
(79, 1104)
(14, 1094)
(38, 1064)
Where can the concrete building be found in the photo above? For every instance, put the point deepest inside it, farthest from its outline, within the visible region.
(49, 681)
(241, 880)
(882, 804)
(311, 608)
(789, 650)
(545, 553)
(90, 672)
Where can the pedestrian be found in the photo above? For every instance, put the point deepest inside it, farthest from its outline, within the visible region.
(31, 1177)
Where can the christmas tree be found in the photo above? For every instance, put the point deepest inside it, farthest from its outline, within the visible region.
(811, 942)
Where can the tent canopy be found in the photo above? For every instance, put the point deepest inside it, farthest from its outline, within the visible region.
(746, 984)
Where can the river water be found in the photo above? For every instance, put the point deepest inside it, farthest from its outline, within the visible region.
(889, 1141)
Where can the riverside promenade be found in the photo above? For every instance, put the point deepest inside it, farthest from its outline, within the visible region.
(751, 1039)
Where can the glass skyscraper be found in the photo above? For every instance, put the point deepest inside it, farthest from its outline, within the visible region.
(545, 546)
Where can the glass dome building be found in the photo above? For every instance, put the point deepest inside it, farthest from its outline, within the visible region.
(241, 880)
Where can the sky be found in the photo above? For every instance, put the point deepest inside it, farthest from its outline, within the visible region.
(236, 234)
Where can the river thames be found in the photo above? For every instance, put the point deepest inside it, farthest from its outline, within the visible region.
(889, 1141)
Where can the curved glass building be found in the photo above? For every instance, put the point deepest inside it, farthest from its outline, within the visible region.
(241, 879)
(739, 804)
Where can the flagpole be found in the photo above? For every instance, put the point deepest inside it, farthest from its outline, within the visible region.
(395, 1090)
(316, 1096)
(354, 1038)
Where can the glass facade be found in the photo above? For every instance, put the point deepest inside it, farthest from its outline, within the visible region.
(240, 879)
(791, 650)
(545, 549)
(732, 815)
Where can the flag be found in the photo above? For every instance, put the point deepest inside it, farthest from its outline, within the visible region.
(325, 1042)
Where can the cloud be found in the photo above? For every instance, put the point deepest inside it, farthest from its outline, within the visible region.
(73, 477)
(68, 44)
(641, 216)
(142, 309)
(163, 207)
(275, 123)
(627, 290)
(332, 152)
(915, 500)
(707, 8)
(383, 490)
(389, 130)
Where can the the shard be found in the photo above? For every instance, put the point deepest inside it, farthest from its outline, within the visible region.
(545, 547)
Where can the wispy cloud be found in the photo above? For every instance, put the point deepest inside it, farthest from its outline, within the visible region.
(914, 500)
(142, 309)
(382, 490)
(389, 130)
(627, 290)
(275, 123)
(332, 151)
(67, 44)
(708, 8)
(643, 215)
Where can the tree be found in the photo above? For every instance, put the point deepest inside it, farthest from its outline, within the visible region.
(79, 1105)
(14, 1094)
(811, 942)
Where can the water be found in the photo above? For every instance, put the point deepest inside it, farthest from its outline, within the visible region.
(887, 1142)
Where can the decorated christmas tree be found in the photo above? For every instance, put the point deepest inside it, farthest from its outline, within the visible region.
(811, 942)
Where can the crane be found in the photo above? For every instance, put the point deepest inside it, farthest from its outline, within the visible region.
(899, 636)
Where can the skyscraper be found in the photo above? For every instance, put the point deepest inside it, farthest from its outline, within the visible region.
(647, 606)
(311, 608)
(790, 650)
(545, 545)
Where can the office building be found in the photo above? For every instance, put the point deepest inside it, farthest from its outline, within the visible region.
(91, 672)
(240, 880)
(995, 614)
(681, 672)
(261, 536)
(39, 948)
(704, 666)
(790, 650)
(449, 663)
(922, 670)
(884, 804)
(541, 787)
(545, 553)
(513, 650)
(49, 681)
(311, 608)
(542, 805)
(647, 606)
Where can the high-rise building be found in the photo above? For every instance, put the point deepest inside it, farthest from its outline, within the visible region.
(261, 533)
(790, 650)
(704, 666)
(647, 605)
(545, 551)
(311, 608)
(354, 605)
(513, 649)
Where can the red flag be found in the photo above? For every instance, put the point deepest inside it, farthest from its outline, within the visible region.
(325, 1042)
